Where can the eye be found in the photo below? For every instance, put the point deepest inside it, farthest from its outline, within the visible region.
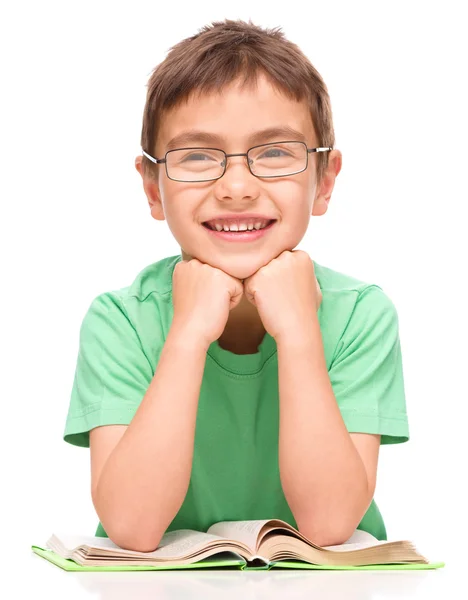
(268, 152)
(201, 156)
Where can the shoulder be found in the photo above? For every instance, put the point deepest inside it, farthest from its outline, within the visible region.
(353, 313)
(156, 278)
(349, 295)
(152, 285)
(138, 314)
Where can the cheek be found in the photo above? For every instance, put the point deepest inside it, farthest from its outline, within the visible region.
(295, 214)
(177, 203)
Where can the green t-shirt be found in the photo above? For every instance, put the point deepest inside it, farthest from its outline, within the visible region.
(235, 474)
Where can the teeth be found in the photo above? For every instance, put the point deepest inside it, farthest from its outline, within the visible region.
(241, 227)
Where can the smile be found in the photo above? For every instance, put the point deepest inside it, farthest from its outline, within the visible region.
(241, 236)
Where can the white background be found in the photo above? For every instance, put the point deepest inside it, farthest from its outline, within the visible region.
(76, 223)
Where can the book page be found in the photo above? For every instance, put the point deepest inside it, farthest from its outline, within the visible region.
(173, 544)
(248, 532)
(183, 542)
(359, 539)
(242, 531)
(70, 541)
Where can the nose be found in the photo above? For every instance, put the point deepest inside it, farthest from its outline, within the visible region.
(235, 184)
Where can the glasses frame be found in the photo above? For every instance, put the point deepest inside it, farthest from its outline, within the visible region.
(164, 160)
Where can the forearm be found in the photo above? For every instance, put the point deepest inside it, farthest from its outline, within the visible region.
(145, 479)
(323, 477)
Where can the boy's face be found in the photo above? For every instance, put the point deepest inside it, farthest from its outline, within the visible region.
(234, 115)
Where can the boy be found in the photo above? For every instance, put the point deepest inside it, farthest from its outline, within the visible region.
(240, 380)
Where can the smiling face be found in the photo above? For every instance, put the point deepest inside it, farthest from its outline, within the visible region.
(234, 116)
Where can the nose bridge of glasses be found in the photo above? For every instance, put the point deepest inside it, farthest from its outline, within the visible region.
(244, 156)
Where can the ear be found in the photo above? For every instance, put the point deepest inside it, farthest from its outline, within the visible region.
(151, 187)
(327, 184)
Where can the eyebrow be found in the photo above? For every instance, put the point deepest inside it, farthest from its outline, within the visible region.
(282, 132)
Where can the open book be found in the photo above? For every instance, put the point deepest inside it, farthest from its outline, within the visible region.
(243, 544)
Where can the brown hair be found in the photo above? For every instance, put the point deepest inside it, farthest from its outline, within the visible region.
(218, 55)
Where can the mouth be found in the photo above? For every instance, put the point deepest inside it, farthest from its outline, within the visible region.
(241, 236)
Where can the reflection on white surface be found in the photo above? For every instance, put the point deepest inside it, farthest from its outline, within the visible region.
(246, 585)
(52, 582)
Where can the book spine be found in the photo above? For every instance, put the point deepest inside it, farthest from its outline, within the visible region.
(257, 563)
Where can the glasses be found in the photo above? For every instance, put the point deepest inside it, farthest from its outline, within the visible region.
(277, 159)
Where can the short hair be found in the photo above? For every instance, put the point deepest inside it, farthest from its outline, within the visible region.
(219, 54)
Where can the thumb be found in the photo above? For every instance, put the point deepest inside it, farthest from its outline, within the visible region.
(249, 295)
(237, 292)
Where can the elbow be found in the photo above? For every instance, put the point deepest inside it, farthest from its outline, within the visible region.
(141, 545)
(331, 536)
(130, 537)
(331, 539)
(331, 530)
(137, 543)
(326, 539)
(127, 535)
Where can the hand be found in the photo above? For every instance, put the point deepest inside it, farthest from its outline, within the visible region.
(203, 296)
(286, 293)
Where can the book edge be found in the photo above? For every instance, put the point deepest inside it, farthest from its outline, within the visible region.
(70, 565)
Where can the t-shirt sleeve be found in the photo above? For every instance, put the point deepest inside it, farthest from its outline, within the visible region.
(367, 372)
(112, 372)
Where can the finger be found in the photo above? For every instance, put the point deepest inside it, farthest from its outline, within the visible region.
(237, 291)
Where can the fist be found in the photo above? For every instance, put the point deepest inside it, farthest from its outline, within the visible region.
(203, 296)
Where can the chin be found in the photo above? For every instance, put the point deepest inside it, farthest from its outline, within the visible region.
(241, 267)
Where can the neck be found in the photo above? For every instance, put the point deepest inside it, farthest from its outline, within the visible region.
(244, 330)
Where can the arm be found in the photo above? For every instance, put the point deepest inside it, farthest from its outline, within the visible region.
(324, 479)
(146, 477)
